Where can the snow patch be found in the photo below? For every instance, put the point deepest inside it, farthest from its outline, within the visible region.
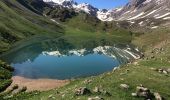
(141, 23)
(162, 15)
(166, 18)
(149, 13)
(136, 16)
(147, 1)
(54, 21)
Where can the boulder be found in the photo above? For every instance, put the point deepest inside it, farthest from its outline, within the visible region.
(50, 96)
(152, 57)
(63, 95)
(135, 63)
(160, 70)
(158, 96)
(82, 91)
(154, 69)
(87, 81)
(115, 68)
(134, 94)
(23, 89)
(96, 90)
(106, 93)
(168, 70)
(15, 87)
(141, 91)
(165, 72)
(124, 86)
(101, 91)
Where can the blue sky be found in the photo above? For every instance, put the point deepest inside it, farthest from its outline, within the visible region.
(107, 4)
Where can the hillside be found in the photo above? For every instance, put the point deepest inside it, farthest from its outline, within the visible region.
(107, 85)
(27, 20)
(23, 22)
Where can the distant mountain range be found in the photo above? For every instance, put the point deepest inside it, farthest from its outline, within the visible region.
(135, 9)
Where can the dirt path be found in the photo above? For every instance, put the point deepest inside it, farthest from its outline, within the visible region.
(38, 84)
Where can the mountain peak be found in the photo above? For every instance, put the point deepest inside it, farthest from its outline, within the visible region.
(64, 3)
(58, 1)
(134, 10)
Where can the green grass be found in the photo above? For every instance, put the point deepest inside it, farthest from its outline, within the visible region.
(5, 75)
(17, 23)
(152, 38)
(111, 81)
(82, 38)
(22, 25)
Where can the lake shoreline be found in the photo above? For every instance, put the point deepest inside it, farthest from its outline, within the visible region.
(37, 84)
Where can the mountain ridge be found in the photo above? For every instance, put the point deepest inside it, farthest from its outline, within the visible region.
(133, 10)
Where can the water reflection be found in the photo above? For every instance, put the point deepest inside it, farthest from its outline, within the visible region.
(61, 60)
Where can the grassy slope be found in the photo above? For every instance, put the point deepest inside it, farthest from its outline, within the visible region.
(137, 74)
(81, 27)
(87, 27)
(17, 22)
(5, 75)
(111, 81)
(23, 23)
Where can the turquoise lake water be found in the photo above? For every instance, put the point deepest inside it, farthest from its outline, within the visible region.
(40, 60)
(47, 66)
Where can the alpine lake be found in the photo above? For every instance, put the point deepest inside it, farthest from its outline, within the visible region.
(60, 60)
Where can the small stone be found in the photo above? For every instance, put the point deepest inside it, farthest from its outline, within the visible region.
(63, 96)
(57, 92)
(122, 73)
(53, 98)
(23, 89)
(96, 90)
(152, 57)
(153, 68)
(95, 98)
(82, 91)
(36, 93)
(106, 93)
(115, 68)
(134, 94)
(160, 70)
(135, 63)
(127, 70)
(122, 79)
(152, 51)
(168, 70)
(124, 86)
(15, 87)
(87, 81)
(165, 72)
(50, 96)
(158, 96)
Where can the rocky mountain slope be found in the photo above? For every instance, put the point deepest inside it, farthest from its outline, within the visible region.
(133, 10)
(137, 9)
(137, 12)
